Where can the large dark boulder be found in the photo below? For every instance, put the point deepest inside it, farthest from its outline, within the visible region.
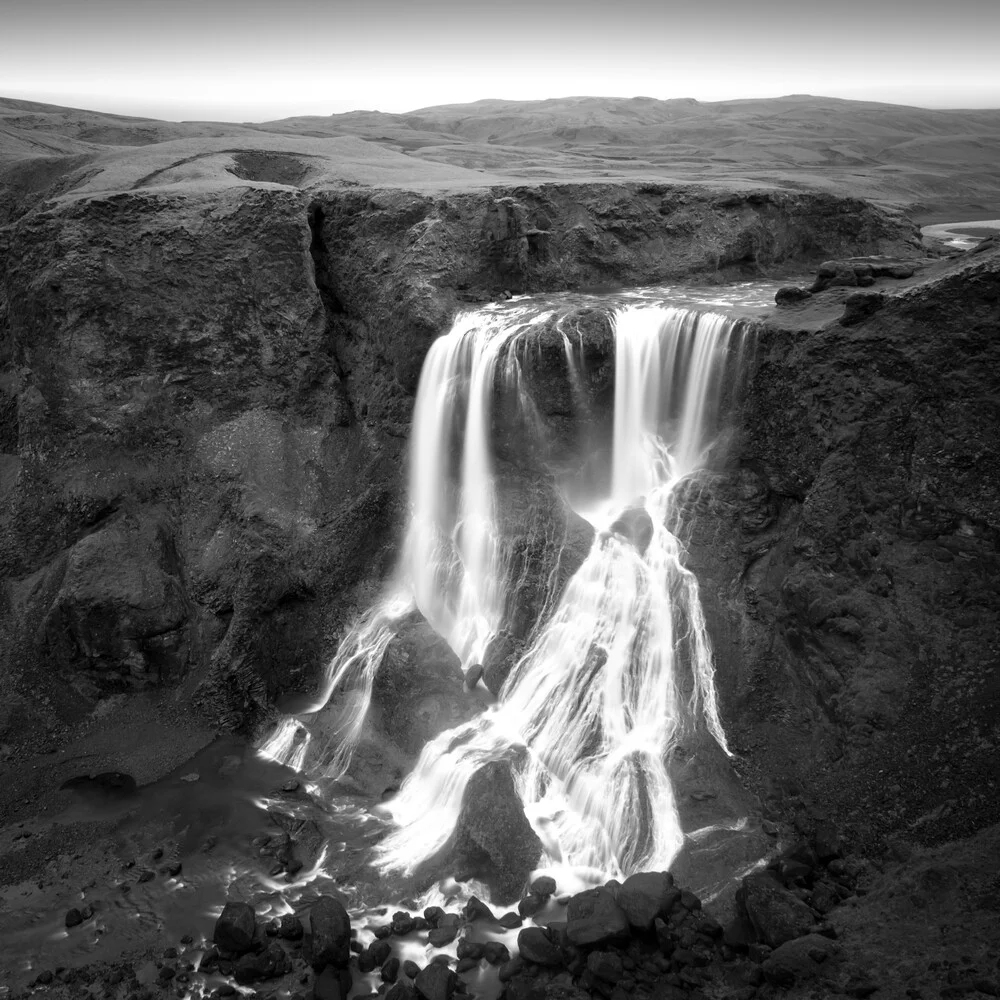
(419, 690)
(534, 945)
(121, 614)
(647, 895)
(234, 930)
(330, 927)
(775, 913)
(594, 917)
(493, 838)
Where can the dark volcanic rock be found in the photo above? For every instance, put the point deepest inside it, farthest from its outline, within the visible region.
(647, 895)
(330, 927)
(436, 982)
(493, 836)
(790, 294)
(234, 930)
(777, 916)
(419, 688)
(593, 917)
(534, 945)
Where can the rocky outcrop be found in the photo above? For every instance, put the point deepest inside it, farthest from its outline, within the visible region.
(226, 376)
(493, 839)
(849, 561)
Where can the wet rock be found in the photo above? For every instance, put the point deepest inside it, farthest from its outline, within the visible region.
(290, 927)
(510, 920)
(234, 930)
(476, 909)
(402, 991)
(593, 917)
(380, 951)
(473, 675)
(790, 294)
(496, 953)
(498, 660)
(390, 970)
(636, 527)
(329, 985)
(493, 838)
(439, 937)
(510, 969)
(544, 886)
(73, 917)
(419, 688)
(331, 933)
(467, 948)
(530, 905)
(411, 969)
(776, 914)
(533, 945)
(436, 982)
(646, 896)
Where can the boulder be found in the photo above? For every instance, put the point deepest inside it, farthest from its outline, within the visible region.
(493, 838)
(534, 945)
(593, 917)
(331, 933)
(799, 960)
(419, 687)
(790, 294)
(775, 913)
(234, 930)
(121, 613)
(635, 526)
(436, 982)
(647, 895)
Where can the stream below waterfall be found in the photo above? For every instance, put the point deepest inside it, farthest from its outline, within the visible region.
(543, 572)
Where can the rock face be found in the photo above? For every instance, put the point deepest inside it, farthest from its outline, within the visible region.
(493, 839)
(207, 393)
(848, 559)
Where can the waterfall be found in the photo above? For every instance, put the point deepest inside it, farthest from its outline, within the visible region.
(621, 667)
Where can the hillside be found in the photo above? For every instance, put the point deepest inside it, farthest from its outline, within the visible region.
(939, 164)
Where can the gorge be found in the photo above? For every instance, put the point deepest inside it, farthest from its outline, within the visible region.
(255, 491)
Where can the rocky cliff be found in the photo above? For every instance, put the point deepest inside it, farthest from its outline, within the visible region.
(206, 396)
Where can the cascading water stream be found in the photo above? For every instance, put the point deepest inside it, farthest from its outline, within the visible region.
(618, 671)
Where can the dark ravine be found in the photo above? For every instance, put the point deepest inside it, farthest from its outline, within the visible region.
(203, 417)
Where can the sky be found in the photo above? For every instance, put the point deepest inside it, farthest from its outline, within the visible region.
(250, 60)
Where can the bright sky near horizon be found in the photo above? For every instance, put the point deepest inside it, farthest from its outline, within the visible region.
(250, 60)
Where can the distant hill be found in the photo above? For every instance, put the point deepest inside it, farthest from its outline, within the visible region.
(940, 163)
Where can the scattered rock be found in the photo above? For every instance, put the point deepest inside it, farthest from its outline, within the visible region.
(234, 930)
(73, 917)
(436, 982)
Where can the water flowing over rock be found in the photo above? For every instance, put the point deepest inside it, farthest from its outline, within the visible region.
(581, 612)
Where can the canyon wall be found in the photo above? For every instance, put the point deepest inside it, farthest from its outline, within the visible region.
(203, 419)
